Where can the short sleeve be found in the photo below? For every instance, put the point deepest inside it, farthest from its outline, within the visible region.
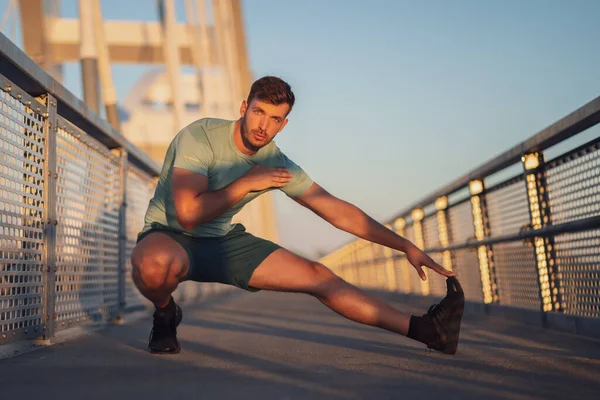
(193, 151)
(300, 181)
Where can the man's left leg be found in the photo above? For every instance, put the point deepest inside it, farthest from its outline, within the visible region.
(286, 272)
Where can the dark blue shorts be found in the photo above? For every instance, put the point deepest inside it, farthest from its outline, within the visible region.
(230, 259)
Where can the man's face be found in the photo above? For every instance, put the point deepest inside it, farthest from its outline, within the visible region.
(261, 122)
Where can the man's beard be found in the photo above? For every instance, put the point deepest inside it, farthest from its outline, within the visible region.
(247, 137)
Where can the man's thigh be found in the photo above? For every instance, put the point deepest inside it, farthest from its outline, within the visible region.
(285, 271)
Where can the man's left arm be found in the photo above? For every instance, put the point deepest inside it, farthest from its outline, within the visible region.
(349, 218)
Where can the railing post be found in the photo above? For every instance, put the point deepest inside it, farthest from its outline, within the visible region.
(122, 233)
(484, 253)
(50, 219)
(539, 212)
(417, 216)
(444, 231)
(399, 225)
(390, 271)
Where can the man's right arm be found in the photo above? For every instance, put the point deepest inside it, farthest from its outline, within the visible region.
(194, 204)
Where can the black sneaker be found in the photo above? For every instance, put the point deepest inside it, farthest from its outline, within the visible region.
(446, 318)
(163, 337)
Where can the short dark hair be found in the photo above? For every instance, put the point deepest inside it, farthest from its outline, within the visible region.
(272, 90)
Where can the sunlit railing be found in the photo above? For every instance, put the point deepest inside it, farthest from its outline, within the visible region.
(522, 231)
(73, 193)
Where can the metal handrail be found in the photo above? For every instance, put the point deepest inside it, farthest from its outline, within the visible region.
(527, 233)
(26, 74)
(576, 122)
(567, 227)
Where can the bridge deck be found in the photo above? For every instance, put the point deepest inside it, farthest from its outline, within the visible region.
(288, 346)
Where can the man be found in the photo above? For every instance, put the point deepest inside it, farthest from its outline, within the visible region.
(214, 167)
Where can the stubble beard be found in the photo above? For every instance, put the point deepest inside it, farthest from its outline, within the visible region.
(246, 137)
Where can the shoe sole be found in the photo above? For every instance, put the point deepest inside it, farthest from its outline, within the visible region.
(454, 330)
(176, 351)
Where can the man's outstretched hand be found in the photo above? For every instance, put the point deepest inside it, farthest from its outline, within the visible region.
(418, 259)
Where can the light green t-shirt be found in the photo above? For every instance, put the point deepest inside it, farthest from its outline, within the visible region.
(206, 147)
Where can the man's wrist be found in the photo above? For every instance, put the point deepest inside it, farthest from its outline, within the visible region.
(409, 247)
(241, 186)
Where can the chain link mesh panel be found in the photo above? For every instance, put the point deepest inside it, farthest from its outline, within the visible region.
(378, 265)
(359, 259)
(437, 282)
(348, 268)
(466, 266)
(460, 219)
(517, 275)
(578, 261)
(415, 280)
(430, 232)
(508, 208)
(87, 248)
(403, 274)
(140, 189)
(367, 271)
(574, 185)
(21, 215)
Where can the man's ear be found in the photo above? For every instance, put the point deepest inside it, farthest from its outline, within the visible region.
(243, 108)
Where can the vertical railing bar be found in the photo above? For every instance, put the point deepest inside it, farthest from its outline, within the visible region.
(390, 271)
(122, 235)
(539, 217)
(50, 220)
(419, 240)
(489, 249)
(484, 253)
(444, 231)
(399, 225)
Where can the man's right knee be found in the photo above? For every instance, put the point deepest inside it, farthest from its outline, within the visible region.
(155, 266)
(151, 272)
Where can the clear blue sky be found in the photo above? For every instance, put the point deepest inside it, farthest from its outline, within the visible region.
(396, 98)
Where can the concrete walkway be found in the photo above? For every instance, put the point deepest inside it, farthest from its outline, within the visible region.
(288, 346)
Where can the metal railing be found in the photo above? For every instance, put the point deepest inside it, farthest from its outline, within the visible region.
(529, 242)
(73, 193)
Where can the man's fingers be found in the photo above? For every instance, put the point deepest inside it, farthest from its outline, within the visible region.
(421, 273)
(279, 182)
(449, 273)
(442, 271)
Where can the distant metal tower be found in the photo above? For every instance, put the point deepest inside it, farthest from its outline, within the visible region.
(215, 50)
(51, 40)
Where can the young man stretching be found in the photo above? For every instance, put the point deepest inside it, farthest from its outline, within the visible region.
(212, 168)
